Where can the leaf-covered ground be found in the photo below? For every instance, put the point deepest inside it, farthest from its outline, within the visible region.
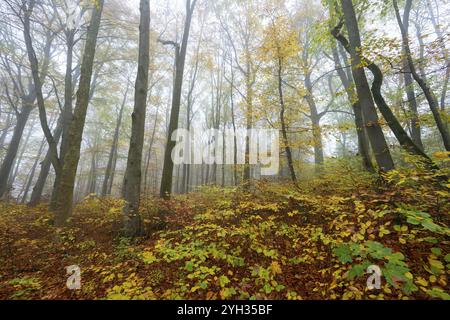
(268, 242)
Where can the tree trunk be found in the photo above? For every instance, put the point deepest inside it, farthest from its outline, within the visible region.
(283, 124)
(36, 194)
(13, 147)
(132, 181)
(180, 56)
(65, 195)
(374, 131)
(113, 152)
(347, 82)
(431, 98)
(32, 172)
(410, 94)
(13, 175)
(150, 146)
(445, 55)
(315, 123)
(401, 135)
(233, 121)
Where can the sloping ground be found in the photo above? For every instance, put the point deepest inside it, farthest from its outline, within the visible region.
(270, 242)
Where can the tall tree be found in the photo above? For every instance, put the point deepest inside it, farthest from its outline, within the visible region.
(371, 122)
(180, 57)
(392, 121)
(409, 88)
(107, 181)
(64, 196)
(133, 174)
(279, 45)
(27, 95)
(429, 94)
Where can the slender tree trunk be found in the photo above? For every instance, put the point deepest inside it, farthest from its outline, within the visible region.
(36, 194)
(132, 181)
(5, 131)
(114, 145)
(13, 147)
(64, 198)
(14, 173)
(410, 94)
(283, 124)
(374, 131)
(150, 146)
(431, 98)
(347, 82)
(315, 122)
(393, 123)
(233, 121)
(180, 56)
(249, 123)
(38, 82)
(32, 172)
(92, 182)
(445, 54)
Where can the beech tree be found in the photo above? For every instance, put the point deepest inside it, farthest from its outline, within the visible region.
(132, 181)
(63, 202)
(180, 57)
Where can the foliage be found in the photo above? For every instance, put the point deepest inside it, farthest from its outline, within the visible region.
(270, 242)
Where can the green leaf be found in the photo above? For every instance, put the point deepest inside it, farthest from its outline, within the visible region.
(343, 253)
(189, 266)
(377, 250)
(438, 293)
(223, 281)
(436, 251)
(357, 270)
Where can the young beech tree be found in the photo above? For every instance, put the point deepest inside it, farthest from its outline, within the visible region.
(279, 45)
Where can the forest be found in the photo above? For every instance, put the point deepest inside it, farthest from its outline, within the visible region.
(224, 150)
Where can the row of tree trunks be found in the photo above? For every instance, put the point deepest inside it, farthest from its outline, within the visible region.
(371, 122)
(429, 94)
(347, 82)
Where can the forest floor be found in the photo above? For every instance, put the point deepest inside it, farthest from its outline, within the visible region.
(269, 242)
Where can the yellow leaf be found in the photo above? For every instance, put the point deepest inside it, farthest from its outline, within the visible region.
(275, 266)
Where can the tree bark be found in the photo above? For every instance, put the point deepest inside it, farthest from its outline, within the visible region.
(133, 174)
